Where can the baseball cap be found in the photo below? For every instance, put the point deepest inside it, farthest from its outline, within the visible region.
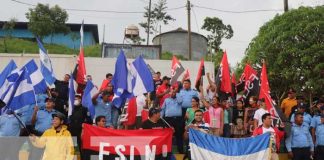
(302, 106)
(166, 78)
(291, 91)
(58, 115)
(322, 108)
(154, 110)
(49, 99)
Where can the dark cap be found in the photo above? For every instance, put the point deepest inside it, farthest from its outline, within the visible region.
(322, 115)
(58, 115)
(154, 110)
(49, 99)
(166, 78)
(301, 106)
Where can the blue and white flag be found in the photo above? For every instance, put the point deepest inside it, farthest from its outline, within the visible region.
(20, 93)
(89, 91)
(7, 71)
(206, 146)
(143, 77)
(45, 64)
(122, 81)
(10, 80)
(71, 95)
(36, 77)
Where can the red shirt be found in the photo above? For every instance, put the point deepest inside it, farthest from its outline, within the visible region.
(161, 90)
(145, 114)
(279, 135)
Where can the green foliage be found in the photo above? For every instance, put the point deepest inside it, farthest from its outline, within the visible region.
(169, 55)
(19, 46)
(8, 29)
(158, 16)
(218, 31)
(293, 46)
(44, 21)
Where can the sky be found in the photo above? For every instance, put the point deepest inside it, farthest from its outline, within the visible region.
(245, 25)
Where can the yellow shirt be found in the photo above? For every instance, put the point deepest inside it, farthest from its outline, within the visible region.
(58, 146)
(287, 104)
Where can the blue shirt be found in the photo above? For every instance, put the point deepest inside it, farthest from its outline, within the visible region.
(104, 109)
(186, 96)
(171, 107)
(9, 125)
(299, 137)
(27, 111)
(44, 120)
(307, 119)
(319, 130)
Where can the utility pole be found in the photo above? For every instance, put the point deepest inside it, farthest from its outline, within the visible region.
(189, 29)
(286, 5)
(148, 24)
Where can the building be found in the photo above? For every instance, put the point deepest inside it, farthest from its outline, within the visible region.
(91, 36)
(112, 50)
(176, 42)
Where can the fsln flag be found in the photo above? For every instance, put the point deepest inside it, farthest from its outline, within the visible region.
(7, 71)
(206, 146)
(71, 95)
(251, 82)
(36, 77)
(265, 93)
(80, 69)
(223, 79)
(176, 70)
(21, 93)
(89, 91)
(234, 91)
(45, 64)
(143, 77)
(122, 80)
(201, 73)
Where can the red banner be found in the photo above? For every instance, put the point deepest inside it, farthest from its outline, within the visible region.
(127, 142)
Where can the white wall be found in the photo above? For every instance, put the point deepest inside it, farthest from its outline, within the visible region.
(98, 67)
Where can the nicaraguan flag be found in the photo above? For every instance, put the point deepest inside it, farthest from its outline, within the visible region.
(7, 71)
(122, 81)
(20, 93)
(89, 91)
(36, 77)
(45, 64)
(143, 82)
(10, 80)
(206, 146)
(71, 95)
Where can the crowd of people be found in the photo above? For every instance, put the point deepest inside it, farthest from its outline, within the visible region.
(176, 106)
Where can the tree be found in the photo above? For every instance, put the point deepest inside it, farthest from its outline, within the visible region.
(159, 16)
(293, 46)
(44, 21)
(218, 31)
(8, 29)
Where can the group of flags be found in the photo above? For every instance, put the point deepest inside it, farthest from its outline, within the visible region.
(18, 87)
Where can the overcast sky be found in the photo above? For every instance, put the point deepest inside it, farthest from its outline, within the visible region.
(245, 25)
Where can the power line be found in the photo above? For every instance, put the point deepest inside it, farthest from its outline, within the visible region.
(99, 11)
(239, 12)
(195, 19)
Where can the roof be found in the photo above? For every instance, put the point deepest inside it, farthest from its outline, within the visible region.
(180, 30)
(93, 28)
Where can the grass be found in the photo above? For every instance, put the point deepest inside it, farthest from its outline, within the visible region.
(18, 46)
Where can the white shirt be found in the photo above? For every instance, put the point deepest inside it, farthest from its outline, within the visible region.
(273, 136)
(140, 103)
(258, 115)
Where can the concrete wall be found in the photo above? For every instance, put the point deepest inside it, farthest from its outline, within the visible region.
(177, 43)
(98, 67)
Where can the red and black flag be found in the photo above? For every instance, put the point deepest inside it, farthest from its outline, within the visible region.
(176, 70)
(79, 72)
(201, 73)
(223, 79)
(251, 82)
(234, 92)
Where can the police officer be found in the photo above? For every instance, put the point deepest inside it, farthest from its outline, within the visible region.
(318, 134)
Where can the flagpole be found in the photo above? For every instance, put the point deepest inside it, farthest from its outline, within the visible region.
(166, 123)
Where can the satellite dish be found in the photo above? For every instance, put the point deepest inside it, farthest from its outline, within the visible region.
(131, 31)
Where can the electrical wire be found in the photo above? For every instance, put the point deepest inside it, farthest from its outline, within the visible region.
(239, 12)
(193, 11)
